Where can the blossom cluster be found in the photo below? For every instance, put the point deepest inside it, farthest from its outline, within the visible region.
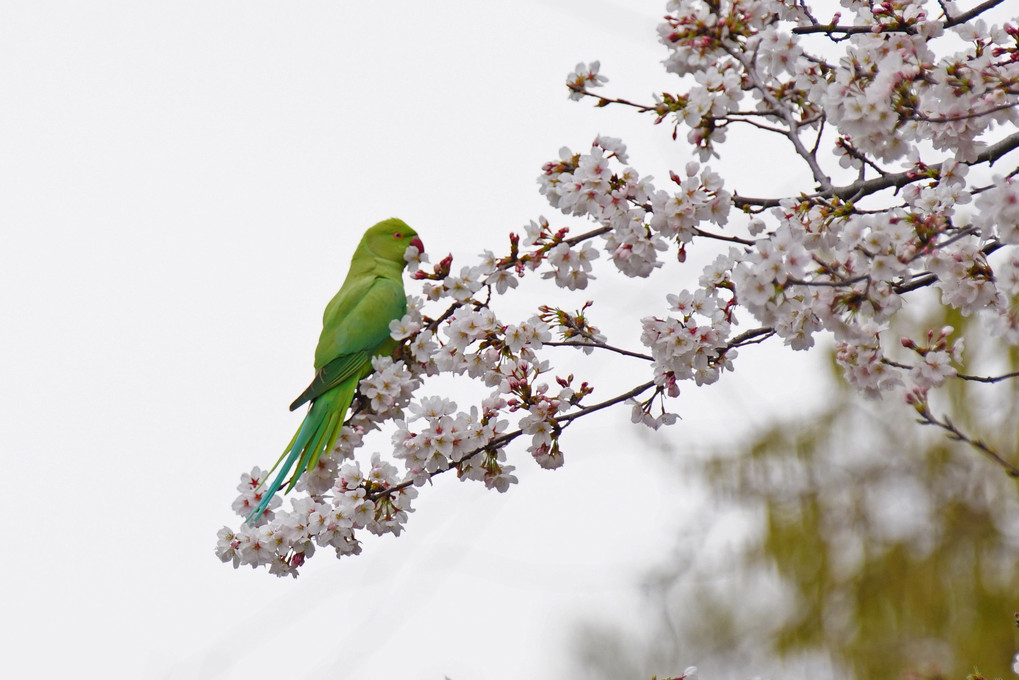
(842, 259)
(283, 541)
(889, 90)
(639, 220)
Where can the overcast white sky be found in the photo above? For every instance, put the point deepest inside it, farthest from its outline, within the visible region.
(181, 187)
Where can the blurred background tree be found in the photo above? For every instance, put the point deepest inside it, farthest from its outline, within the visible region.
(847, 544)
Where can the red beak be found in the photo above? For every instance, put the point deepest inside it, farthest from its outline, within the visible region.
(416, 242)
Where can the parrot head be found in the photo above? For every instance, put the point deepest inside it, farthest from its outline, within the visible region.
(389, 239)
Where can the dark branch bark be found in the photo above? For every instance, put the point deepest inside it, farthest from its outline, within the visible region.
(831, 29)
(898, 180)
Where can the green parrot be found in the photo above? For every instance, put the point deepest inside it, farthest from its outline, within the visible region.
(355, 328)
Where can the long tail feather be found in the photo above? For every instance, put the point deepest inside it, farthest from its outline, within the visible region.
(295, 450)
(280, 459)
(316, 449)
(317, 435)
(307, 454)
(335, 424)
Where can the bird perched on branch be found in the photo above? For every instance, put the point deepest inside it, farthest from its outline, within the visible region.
(355, 328)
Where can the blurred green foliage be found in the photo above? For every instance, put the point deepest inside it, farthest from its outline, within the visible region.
(860, 545)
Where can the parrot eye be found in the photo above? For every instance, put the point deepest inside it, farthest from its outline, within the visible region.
(398, 235)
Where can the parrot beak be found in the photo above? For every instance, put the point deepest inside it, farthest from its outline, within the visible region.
(416, 242)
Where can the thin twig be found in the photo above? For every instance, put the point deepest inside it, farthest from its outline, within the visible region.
(858, 155)
(792, 134)
(759, 126)
(600, 345)
(927, 418)
(569, 417)
(720, 237)
(988, 379)
(966, 116)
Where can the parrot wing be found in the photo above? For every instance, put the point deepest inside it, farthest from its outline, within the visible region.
(349, 341)
(332, 374)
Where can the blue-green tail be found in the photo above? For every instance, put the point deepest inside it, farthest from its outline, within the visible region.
(317, 435)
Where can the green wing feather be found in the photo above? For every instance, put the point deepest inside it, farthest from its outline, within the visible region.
(348, 341)
(331, 375)
(364, 325)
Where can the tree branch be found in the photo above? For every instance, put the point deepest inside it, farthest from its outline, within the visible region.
(792, 134)
(927, 418)
(720, 237)
(928, 279)
(600, 345)
(966, 116)
(569, 417)
(502, 440)
(751, 337)
(897, 180)
(988, 379)
(846, 31)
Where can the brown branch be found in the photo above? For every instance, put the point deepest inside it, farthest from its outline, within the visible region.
(960, 376)
(751, 337)
(898, 180)
(828, 284)
(966, 116)
(927, 279)
(600, 345)
(720, 237)
(605, 101)
(587, 235)
(792, 134)
(927, 418)
(852, 30)
(860, 156)
(988, 379)
(569, 417)
(754, 123)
